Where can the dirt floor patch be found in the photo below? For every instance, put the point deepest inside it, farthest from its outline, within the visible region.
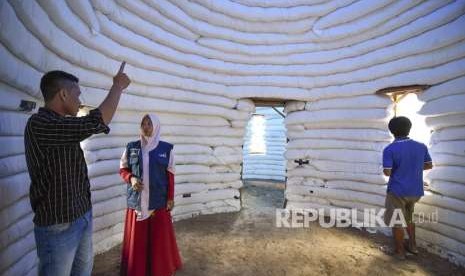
(248, 243)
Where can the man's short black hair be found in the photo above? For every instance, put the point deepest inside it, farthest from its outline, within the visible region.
(400, 126)
(53, 81)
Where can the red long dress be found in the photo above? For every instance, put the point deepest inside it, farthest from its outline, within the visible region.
(149, 246)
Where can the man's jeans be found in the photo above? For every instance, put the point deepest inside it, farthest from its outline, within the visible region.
(65, 249)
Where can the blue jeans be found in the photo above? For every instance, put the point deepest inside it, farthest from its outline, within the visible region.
(65, 249)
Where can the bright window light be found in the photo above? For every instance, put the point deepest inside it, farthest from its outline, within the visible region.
(257, 126)
(408, 106)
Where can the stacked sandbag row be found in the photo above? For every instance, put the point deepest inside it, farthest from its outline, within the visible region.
(338, 143)
(444, 109)
(270, 163)
(192, 60)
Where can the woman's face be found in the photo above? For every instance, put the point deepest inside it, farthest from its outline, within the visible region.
(146, 126)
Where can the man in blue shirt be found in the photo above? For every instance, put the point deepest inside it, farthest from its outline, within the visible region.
(404, 161)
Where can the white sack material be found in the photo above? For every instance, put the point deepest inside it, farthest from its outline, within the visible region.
(452, 104)
(452, 87)
(84, 10)
(200, 65)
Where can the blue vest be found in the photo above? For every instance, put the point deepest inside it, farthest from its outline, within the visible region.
(158, 163)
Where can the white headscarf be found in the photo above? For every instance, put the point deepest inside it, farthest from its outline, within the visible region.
(151, 142)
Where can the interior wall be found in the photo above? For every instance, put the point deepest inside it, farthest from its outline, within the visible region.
(271, 164)
(191, 61)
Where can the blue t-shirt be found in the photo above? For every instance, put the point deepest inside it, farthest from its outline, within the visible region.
(406, 158)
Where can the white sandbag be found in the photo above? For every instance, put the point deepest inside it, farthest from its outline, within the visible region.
(450, 189)
(335, 144)
(344, 134)
(329, 194)
(192, 149)
(191, 169)
(105, 181)
(108, 220)
(278, 3)
(23, 266)
(218, 19)
(209, 141)
(84, 9)
(12, 123)
(238, 123)
(438, 240)
(264, 177)
(446, 159)
(11, 145)
(13, 188)
(450, 147)
(270, 15)
(12, 165)
(443, 202)
(17, 230)
(366, 178)
(207, 178)
(110, 192)
(109, 205)
(355, 167)
(106, 142)
(292, 106)
(245, 105)
(103, 154)
(14, 212)
(220, 186)
(441, 228)
(189, 188)
(198, 159)
(156, 18)
(356, 186)
(221, 150)
(362, 24)
(226, 168)
(14, 252)
(103, 167)
(452, 87)
(445, 216)
(107, 243)
(349, 13)
(11, 98)
(445, 105)
(335, 155)
(16, 68)
(345, 116)
(187, 209)
(296, 197)
(110, 231)
(443, 121)
(207, 196)
(126, 116)
(448, 134)
(347, 125)
(447, 173)
(248, 171)
(360, 102)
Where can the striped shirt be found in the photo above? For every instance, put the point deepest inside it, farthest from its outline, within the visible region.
(60, 188)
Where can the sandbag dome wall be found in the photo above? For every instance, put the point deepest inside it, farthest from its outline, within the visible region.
(192, 62)
(269, 165)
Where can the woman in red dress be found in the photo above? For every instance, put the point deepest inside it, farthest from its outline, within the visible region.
(147, 166)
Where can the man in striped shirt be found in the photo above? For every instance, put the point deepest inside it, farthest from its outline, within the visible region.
(60, 189)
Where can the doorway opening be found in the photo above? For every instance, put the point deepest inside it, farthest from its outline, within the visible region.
(264, 164)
